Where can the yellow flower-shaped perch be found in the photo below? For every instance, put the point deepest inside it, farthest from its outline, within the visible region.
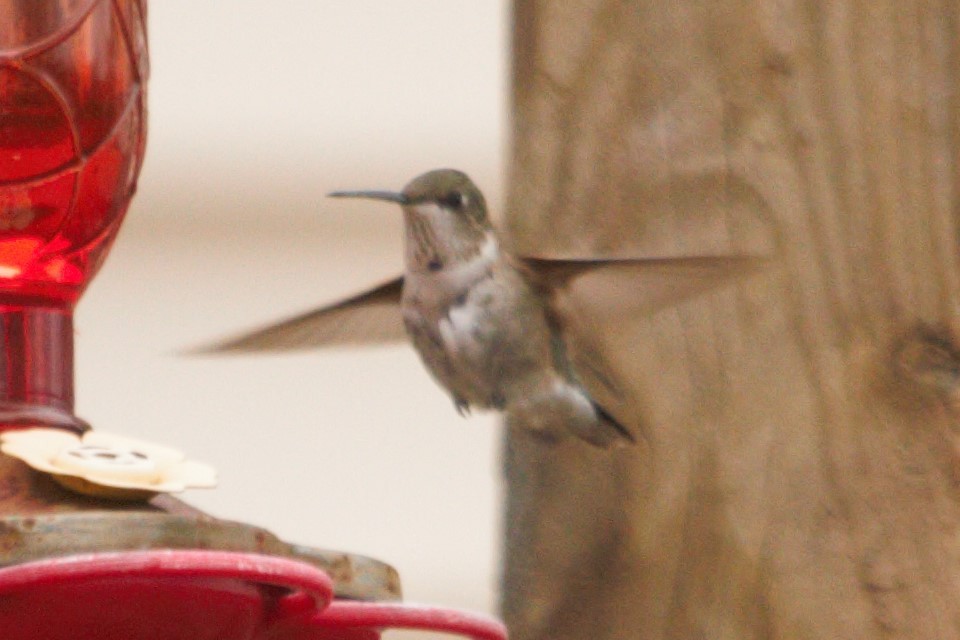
(105, 465)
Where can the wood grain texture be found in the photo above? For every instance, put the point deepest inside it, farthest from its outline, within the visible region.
(800, 473)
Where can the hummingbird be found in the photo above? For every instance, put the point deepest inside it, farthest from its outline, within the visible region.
(481, 316)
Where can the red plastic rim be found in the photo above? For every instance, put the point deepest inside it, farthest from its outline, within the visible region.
(343, 614)
(306, 612)
(256, 568)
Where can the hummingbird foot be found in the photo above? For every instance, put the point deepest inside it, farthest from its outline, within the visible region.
(462, 407)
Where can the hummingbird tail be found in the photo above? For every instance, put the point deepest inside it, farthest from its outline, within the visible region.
(566, 407)
(614, 425)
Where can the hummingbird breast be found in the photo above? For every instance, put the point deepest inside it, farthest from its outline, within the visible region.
(479, 329)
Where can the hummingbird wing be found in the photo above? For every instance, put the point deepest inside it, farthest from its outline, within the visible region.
(625, 286)
(371, 317)
(648, 284)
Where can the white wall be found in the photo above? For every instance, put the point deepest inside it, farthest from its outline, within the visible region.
(257, 109)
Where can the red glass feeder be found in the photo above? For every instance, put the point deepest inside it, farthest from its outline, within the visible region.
(72, 134)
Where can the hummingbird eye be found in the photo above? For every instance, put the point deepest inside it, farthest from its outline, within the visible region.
(454, 200)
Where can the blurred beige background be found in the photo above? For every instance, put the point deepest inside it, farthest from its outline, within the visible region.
(257, 109)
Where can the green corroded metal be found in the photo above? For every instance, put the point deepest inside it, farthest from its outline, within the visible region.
(43, 520)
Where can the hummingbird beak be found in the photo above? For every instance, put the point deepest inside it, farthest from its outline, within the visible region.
(389, 196)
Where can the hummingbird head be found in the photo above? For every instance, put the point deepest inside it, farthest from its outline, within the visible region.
(445, 217)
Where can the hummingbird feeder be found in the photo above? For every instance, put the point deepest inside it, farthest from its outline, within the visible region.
(91, 547)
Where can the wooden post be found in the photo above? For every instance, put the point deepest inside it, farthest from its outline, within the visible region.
(799, 476)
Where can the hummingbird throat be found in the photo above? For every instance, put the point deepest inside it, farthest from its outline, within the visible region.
(437, 239)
